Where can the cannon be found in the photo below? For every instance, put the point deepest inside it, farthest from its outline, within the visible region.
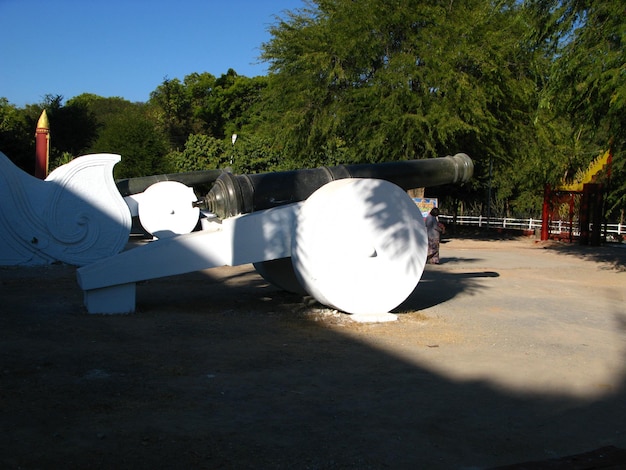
(348, 235)
(130, 186)
(239, 194)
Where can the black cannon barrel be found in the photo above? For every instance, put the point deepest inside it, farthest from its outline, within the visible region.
(129, 186)
(241, 194)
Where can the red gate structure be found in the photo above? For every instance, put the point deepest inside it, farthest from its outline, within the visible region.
(584, 202)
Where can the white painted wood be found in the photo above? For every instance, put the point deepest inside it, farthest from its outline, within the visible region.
(360, 245)
(166, 209)
(111, 300)
(248, 238)
(75, 216)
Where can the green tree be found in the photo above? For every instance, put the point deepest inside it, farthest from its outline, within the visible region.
(424, 79)
(223, 106)
(73, 127)
(17, 140)
(174, 111)
(137, 138)
(588, 81)
(252, 153)
(199, 88)
(210, 107)
(104, 108)
(129, 129)
(201, 152)
(239, 103)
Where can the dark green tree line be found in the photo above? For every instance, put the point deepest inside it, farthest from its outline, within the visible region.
(532, 90)
(587, 84)
(15, 130)
(423, 79)
(529, 89)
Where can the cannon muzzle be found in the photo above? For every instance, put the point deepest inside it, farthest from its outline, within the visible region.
(241, 194)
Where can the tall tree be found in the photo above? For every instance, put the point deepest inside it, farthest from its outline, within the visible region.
(422, 79)
(16, 136)
(199, 88)
(174, 111)
(201, 152)
(138, 139)
(588, 82)
(73, 127)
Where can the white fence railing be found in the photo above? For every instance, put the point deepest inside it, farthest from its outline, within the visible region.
(556, 226)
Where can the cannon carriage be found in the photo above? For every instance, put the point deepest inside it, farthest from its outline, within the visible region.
(349, 235)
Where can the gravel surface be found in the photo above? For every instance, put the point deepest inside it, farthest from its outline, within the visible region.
(511, 350)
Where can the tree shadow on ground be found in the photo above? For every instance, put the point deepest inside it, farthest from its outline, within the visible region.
(437, 287)
(614, 254)
(192, 382)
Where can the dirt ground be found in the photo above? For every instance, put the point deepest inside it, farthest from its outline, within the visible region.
(511, 350)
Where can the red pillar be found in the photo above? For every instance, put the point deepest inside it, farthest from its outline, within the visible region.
(42, 146)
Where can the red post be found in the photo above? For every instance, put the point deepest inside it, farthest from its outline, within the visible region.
(42, 146)
(545, 213)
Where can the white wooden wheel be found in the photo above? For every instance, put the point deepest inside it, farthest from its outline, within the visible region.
(359, 245)
(166, 209)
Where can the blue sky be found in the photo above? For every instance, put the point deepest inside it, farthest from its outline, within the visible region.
(127, 47)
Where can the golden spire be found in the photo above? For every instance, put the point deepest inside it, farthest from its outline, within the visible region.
(43, 122)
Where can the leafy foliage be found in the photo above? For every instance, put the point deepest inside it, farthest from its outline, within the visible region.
(425, 79)
(76, 126)
(13, 126)
(588, 83)
(201, 152)
(135, 136)
(532, 90)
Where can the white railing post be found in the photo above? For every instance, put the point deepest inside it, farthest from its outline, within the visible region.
(560, 225)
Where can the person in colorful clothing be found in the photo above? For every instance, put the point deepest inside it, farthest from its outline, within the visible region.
(434, 229)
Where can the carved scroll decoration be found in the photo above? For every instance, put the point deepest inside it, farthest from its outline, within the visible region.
(76, 216)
